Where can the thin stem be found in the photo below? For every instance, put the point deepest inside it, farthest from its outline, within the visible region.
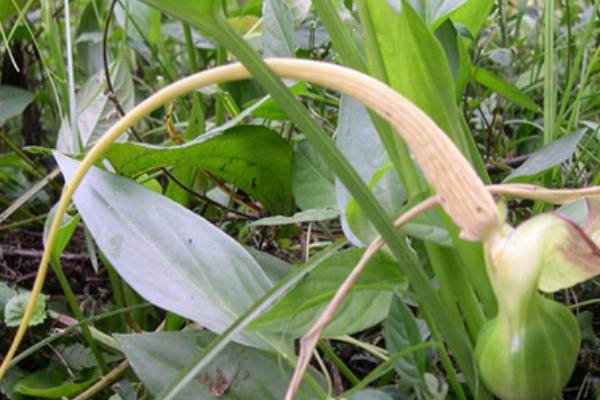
(71, 79)
(549, 73)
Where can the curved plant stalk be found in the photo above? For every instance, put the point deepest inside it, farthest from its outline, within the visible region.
(461, 193)
(309, 340)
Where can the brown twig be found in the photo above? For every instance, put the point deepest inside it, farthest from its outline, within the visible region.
(8, 250)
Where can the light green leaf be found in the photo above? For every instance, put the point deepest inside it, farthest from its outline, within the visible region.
(169, 255)
(548, 156)
(253, 158)
(15, 308)
(319, 214)
(54, 382)
(237, 373)
(503, 88)
(13, 101)
(277, 30)
(366, 305)
(312, 179)
(416, 66)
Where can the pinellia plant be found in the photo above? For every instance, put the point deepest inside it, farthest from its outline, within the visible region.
(528, 346)
(549, 250)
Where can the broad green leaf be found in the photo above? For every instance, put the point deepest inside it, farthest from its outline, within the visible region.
(312, 179)
(54, 382)
(13, 101)
(277, 30)
(169, 255)
(503, 88)
(548, 156)
(253, 158)
(237, 373)
(15, 308)
(319, 214)
(401, 331)
(366, 305)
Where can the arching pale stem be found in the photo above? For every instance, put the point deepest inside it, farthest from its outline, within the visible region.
(461, 193)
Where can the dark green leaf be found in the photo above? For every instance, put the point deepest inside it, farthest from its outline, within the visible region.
(254, 158)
